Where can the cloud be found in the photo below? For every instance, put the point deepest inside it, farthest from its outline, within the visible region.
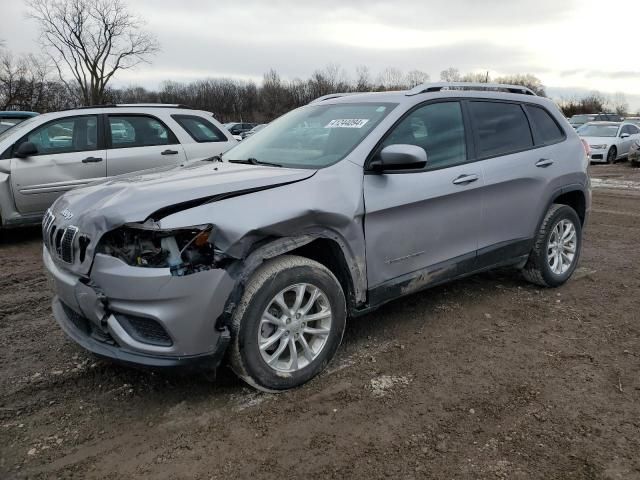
(203, 38)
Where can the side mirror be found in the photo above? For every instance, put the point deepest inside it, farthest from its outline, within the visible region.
(26, 149)
(394, 158)
(624, 135)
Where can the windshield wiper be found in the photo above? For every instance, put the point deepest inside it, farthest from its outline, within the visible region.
(254, 161)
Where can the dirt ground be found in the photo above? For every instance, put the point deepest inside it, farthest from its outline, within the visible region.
(489, 377)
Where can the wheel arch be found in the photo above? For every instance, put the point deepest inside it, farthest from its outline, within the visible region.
(574, 198)
(324, 246)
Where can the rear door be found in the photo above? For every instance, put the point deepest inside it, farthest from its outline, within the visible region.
(70, 154)
(139, 142)
(519, 166)
(423, 224)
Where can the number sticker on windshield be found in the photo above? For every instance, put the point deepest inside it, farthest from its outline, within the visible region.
(347, 123)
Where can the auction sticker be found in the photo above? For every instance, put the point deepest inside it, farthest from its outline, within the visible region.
(347, 123)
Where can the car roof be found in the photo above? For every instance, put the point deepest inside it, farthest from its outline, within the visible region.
(127, 109)
(606, 123)
(429, 91)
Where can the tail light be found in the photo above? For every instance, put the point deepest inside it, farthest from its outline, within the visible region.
(587, 148)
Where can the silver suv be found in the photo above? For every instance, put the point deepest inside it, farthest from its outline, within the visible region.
(330, 211)
(47, 155)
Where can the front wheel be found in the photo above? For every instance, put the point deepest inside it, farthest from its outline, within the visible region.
(288, 324)
(612, 154)
(556, 248)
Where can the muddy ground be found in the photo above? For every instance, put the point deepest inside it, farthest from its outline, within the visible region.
(488, 377)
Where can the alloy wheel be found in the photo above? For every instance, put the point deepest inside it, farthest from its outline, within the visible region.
(294, 327)
(562, 245)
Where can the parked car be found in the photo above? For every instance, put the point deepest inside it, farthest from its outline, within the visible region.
(238, 128)
(11, 118)
(255, 129)
(609, 141)
(45, 156)
(577, 121)
(268, 252)
(634, 120)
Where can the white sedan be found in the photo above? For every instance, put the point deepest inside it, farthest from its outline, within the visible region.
(609, 141)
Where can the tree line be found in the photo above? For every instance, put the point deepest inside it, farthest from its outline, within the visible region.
(85, 43)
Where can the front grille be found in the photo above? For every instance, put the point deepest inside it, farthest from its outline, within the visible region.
(145, 330)
(66, 244)
(61, 242)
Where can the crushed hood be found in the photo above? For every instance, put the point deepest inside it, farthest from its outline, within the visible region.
(105, 205)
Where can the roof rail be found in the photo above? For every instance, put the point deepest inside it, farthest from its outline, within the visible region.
(436, 87)
(144, 105)
(330, 96)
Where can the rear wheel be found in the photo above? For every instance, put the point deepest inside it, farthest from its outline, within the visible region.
(288, 324)
(556, 249)
(612, 154)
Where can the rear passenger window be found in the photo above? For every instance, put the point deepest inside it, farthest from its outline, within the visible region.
(200, 129)
(545, 126)
(501, 128)
(138, 131)
(439, 129)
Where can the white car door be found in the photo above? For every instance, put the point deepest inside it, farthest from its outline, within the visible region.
(624, 140)
(69, 154)
(140, 142)
(634, 131)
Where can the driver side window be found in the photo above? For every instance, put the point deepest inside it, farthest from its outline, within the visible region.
(439, 129)
(75, 134)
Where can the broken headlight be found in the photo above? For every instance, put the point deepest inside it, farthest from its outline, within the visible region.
(183, 251)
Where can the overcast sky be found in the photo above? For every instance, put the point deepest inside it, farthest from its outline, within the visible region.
(572, 45)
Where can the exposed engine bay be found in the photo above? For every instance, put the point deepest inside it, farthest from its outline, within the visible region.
(184, 251)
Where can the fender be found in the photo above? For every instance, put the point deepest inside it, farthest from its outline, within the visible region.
(241, 270)
(576, 187)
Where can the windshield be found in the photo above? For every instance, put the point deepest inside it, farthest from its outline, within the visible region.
(20, 127)
(313, 136)
(580, 119)
(591, 130)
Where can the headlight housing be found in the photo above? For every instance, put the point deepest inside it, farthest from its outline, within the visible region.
(599, 147)
(184, 250)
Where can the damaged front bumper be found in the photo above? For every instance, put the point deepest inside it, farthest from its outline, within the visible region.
(142, 316)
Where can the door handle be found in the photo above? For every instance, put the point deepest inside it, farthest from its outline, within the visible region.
(92, 160)
(169, 152)
(465, 179)
(544, 162)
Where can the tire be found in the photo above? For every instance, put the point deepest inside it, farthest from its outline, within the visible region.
(248, 328)
(612, 154)
(539, 269)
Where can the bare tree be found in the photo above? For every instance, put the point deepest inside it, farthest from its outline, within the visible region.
(450, 75)
(476, 77)
(363, 79)
(526, 80)
(416, 77)
(91, 40)
(391, 79)
(619, 103)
